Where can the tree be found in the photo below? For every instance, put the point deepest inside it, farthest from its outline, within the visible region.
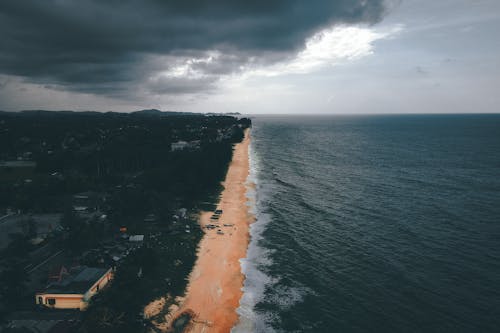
(12, 281)
(69, 220)
(29, 228)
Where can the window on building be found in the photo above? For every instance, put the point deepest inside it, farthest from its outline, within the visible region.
(51, 301)
(40, 300)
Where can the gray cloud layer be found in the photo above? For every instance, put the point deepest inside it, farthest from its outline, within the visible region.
(111, 47)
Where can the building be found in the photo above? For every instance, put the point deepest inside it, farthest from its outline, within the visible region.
(150, 218)
(75, 289)
(182, 145)
(136, 238)
(89, 201)
(179, 145)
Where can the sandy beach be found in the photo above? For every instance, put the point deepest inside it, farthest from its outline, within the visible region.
(214, 289)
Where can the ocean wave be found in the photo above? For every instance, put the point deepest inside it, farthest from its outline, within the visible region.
(285, 297)
(257, 258)
(283, 182)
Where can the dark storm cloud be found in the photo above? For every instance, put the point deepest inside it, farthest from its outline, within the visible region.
(182, 85)
(101, 46)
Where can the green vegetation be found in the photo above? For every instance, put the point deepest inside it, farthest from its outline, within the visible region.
(152, 271)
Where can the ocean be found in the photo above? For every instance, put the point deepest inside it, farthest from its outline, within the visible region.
(386, 223)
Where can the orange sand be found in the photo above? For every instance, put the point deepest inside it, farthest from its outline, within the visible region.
(214, 289)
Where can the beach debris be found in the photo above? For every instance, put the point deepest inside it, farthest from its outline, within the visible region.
(216, 215)
(184, 321)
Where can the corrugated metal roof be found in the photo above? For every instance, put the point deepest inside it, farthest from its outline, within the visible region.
(136, 238)
(90, 274)
(78, 282)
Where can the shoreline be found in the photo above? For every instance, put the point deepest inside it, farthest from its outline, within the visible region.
(215, 285)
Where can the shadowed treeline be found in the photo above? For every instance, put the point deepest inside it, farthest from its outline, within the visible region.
(128, 167)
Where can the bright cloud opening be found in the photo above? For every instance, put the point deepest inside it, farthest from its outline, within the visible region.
(329, 47)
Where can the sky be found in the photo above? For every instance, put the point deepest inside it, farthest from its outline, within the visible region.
(260, 56)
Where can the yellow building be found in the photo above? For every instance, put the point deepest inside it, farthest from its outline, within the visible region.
(75, 290)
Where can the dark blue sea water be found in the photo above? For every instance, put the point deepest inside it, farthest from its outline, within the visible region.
(374, 224)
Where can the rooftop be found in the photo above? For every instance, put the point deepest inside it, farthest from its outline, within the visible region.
(78, 282)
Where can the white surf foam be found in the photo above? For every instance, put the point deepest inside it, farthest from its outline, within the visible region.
(256, 259)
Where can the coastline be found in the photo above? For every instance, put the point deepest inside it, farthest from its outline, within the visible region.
(215, 284)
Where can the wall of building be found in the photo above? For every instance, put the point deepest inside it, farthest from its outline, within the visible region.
(61, 301)
(101, 283)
